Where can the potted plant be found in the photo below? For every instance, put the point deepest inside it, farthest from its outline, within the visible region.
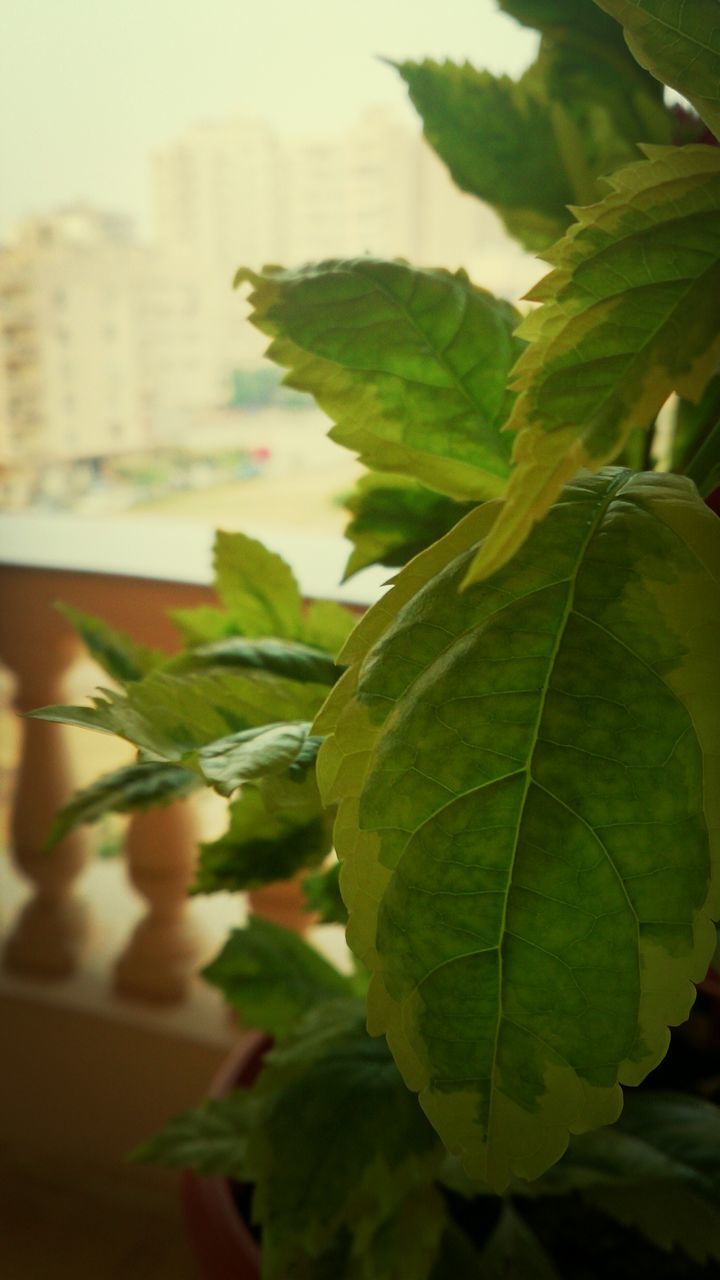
(517, 746)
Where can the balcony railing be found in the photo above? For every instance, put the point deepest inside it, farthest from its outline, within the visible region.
(114, 941)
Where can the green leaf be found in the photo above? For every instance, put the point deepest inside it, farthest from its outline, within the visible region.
(322, 895)
(261, 847)
(126, 790)
(256, 586)
(630, 314)
(270, 748)
(514, 1252)
(211, 1139)
(695, 450)
(272, 977)
(116, 652)
(394, 518)
(340, 1142)
(532, 147)
(327, 625)
(286, 658)
(171, 716)
(657, 1169)
(526, 812)
(679, 44)
(204, 624)
(411, 364)
(406, 1245)
(458, 1258)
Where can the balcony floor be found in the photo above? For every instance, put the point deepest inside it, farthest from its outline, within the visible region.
(98, 1226)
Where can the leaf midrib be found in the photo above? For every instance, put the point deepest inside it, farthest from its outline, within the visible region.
(614, 489)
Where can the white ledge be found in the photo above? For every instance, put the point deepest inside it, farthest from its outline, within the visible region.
(175, 551)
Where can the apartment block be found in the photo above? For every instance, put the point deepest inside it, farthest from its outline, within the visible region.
(70, 345)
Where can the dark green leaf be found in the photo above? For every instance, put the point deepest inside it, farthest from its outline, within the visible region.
(631, 313)
(241, 757)
(394, 518)
(272, 977)
(116, 652)
(514, 1252)
(322, 895)
(286, 658)
(532, 147)
(260, 847)
(526, 818)
(411, 364)
(679, 43)
(341, 1142)
(137, 786)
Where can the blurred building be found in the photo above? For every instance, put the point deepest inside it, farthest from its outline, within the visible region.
(71, 381)
(108, 346)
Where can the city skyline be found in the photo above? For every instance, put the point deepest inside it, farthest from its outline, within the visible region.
(78, 128)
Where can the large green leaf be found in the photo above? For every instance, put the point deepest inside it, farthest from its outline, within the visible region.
(170, 715)
(411, 364)
(631, 313)
(126, 790)
(272, 977)
(532, 147)
(263, 846)
(393, 518)
(679, 43)
(118, 653)
(525, 776)
(340, 1143)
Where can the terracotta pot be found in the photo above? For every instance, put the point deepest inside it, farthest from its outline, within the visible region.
(223, 1244)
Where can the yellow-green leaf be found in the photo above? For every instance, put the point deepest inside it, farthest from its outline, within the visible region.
(528, 809)
(630, 314)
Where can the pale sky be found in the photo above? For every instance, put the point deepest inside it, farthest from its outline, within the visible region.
(89, 87)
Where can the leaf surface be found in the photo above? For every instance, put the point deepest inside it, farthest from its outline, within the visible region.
(341, 1143)
(534, 146)
(253, 753)
(273, 977)
(322, 895)
(630, 313)
(263, 846)
(411, 364)
(514, 1252)
(526, 812)
(678, 43)
(393, 518)
(170, 715)
(286, 658)
(256, 586)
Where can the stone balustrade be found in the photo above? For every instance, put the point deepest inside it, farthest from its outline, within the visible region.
(129, 572)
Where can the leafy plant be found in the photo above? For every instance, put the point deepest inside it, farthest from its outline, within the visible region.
(518, 744)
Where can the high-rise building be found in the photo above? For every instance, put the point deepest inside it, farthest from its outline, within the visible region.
(70, 346)
(109, 346)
